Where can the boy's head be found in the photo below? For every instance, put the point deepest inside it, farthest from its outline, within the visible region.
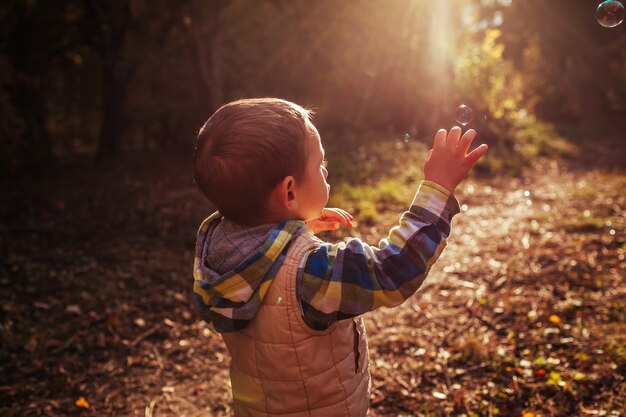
(248, 148)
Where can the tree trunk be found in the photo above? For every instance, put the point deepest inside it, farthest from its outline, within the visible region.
(35, 151)
(26, 72)
(114, 88)
(205, 39)
(106, 26)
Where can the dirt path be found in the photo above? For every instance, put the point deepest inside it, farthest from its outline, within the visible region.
(525, 312)
(527, 268)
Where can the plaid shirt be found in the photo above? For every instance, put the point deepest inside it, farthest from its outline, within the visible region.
(335, 281)
(339, 281)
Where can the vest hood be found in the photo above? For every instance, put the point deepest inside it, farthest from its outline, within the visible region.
(231, 277)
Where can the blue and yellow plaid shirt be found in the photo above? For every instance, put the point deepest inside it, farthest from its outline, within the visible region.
(343, 280)
(335, 281)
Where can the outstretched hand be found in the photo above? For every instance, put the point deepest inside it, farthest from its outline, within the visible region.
(448, 162)
(330, 219)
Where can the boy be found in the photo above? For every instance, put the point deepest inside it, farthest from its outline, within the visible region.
(288, 305)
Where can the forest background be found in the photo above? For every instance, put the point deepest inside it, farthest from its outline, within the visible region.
(83, 78)
(100, 104)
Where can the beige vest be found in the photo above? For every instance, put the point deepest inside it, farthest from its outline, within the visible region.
(282, 367)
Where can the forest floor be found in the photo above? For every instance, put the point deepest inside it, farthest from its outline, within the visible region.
(523, 315)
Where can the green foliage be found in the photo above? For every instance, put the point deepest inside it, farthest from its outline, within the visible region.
(507, 113)
(536, 138)
(482, 74)
(377, 177)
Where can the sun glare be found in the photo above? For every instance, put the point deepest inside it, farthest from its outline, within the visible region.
(441, 35)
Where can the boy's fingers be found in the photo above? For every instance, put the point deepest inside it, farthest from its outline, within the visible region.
(345, 213)
(475, 155)
(342, 216)
(453, 138)
(466, 141)
(440, 139)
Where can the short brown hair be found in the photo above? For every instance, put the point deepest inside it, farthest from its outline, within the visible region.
(245, 149)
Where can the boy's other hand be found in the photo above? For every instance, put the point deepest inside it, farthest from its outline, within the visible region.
(330, 219)
(448, 162)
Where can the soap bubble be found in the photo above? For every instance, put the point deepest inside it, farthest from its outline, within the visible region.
(464, 115)
(406, 138)
(610, 13)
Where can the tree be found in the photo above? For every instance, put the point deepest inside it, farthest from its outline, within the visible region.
(573, 67)
(32, 42)
(105, 28)
(203, 23)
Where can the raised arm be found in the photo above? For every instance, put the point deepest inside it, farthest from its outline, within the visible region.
(339, 281)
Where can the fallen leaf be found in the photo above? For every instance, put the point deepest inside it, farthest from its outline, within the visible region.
(82, 402)
(133, 360)
(52, 343)
(101, 340)
(554, 319)
(113, 320)
(74, 309)
(555, 379)
(439, 395)
(31, 345)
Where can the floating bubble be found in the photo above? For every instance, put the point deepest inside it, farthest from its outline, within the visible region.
(464, 115)
(406, 138)
(610, 13)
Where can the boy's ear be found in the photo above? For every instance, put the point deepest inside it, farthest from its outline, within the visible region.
(287, 193)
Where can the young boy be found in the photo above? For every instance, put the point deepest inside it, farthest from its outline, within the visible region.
(287, 304)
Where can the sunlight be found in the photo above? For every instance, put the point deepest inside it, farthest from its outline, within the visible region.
(441, 48)
(441, 34)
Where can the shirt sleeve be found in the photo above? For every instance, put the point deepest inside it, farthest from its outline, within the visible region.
(347, 279)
